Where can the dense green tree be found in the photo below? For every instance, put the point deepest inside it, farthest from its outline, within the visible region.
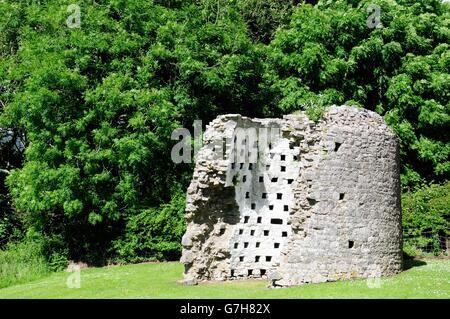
(98, 104)
(400, 69)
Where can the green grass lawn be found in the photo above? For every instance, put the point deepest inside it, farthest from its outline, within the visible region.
(430, 280)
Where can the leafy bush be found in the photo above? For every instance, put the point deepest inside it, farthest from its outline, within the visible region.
(426, 219)
(22, 262)
(154, 234)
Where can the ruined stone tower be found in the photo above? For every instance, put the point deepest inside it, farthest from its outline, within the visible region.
(295, 201)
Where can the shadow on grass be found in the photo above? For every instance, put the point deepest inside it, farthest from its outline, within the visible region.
(411, 263)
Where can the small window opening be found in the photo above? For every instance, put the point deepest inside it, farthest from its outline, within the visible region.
(336, 146)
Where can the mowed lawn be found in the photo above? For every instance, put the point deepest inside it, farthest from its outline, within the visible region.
(429, 279)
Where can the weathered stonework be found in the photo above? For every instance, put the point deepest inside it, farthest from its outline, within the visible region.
(317, 202)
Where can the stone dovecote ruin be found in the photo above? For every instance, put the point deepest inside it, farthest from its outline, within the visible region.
(295, 201)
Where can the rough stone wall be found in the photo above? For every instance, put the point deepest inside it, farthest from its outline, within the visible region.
(316, 202)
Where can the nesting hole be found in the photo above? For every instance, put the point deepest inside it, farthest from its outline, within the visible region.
(351, 243)
(266, 233)
(276, 221)
(268, 258)
(276, 245)
(284, 234)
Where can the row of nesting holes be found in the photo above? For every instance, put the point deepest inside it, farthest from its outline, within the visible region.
(250, 166)
(285, 207)
(262, 272)
(257, 258)
(275, 245)
(266, 232)
(261, 179)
